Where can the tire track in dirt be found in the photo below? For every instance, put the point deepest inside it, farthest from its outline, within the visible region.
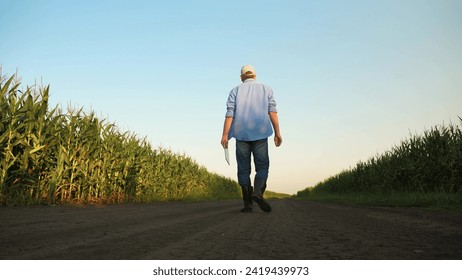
(296, 229)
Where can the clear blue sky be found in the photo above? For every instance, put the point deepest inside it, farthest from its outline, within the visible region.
(351, 78)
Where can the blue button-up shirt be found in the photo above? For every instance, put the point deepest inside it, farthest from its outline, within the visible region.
(249, 105)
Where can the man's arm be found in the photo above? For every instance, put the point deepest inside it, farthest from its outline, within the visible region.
(277, 133)
(226, 127)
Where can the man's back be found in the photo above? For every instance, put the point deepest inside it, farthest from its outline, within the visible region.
(249, 104)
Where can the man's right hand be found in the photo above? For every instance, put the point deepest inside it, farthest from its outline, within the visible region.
(226, 128)
(224, 141)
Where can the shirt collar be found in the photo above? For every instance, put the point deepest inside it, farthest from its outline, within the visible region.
(249, 80)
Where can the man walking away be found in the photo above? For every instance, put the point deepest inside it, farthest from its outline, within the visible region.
(251, 117)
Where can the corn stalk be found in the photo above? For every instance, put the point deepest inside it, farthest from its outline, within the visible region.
(70, 156)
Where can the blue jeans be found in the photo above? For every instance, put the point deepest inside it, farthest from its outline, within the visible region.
(259, 150)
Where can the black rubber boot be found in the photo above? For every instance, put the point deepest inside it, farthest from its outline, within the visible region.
(257, 196)
(262, 203)
(263, 189)
(247, 198)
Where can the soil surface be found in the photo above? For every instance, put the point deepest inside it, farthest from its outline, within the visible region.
(295, 229)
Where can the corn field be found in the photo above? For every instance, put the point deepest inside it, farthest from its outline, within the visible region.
(428, 163)
(52, 156)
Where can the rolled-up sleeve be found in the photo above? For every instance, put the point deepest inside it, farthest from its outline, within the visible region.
(271, 103)
(231, 104)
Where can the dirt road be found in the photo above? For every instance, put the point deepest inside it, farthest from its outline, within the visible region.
(217, 230)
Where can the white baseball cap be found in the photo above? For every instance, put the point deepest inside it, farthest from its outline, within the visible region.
(247, 68)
